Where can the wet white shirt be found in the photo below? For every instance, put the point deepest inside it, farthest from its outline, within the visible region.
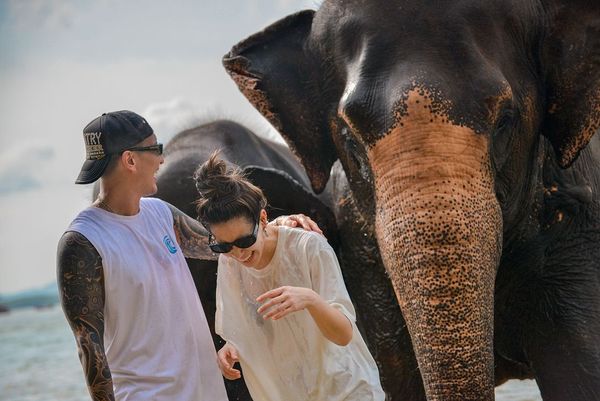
(290, 359)
(157, 341)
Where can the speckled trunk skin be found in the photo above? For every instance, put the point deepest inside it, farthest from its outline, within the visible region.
(439, 228)
(377, 315)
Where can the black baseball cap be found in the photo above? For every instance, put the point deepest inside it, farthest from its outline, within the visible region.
(108, 135)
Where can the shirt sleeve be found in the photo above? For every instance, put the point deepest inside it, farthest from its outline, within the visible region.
(326, 277)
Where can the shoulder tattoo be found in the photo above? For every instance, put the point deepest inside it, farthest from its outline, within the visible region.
(191, 236)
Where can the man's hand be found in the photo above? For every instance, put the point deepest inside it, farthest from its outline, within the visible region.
(226, 358)
(297, 220)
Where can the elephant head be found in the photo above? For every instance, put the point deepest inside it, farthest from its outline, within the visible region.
(434, 109)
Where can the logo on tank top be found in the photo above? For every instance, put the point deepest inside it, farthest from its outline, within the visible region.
(169, 244)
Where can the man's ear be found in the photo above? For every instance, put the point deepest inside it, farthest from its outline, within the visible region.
(278, 74)
(127, 159)
(571, 54)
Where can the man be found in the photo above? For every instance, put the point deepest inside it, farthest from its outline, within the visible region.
(125, 288)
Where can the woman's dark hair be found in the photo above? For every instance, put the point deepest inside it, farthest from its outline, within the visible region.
(225, 193)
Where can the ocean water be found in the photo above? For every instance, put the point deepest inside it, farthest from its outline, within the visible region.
(38, 357)
(38, 361)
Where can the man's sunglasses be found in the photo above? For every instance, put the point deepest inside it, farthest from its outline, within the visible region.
(158, 148)
(244, 242)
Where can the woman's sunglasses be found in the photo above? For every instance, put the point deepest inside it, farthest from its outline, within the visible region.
(244, 242)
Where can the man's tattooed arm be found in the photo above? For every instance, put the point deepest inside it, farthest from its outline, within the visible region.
(191, 236)
(81, 286)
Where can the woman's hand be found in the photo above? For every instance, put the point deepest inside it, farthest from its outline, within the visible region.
(285, 300)
(297, 220)
(282, 301)
(226, 358)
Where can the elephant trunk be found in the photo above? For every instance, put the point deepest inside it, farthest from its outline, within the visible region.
(439, 228)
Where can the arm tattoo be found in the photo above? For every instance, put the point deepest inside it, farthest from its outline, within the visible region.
(81, 285)
(191, 236)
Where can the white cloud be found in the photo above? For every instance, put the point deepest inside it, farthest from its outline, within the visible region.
(305, 4)
(22, 167)
(169, 118)
(48, 14)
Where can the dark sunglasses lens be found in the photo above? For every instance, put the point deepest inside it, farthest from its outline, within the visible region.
(245, 242)
(159, 149)
(220, 248)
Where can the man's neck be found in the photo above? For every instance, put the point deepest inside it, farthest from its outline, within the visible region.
(118, 199)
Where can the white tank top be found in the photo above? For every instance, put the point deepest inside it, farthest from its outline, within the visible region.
(157, 341)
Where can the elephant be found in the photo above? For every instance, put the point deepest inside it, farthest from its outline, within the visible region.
(469, 207)
(269, 165)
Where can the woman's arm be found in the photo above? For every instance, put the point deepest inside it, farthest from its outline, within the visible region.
(332, 323)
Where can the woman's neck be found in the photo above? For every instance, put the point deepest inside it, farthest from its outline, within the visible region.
(271, 238)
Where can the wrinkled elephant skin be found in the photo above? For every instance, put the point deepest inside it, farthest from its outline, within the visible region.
(465, 130)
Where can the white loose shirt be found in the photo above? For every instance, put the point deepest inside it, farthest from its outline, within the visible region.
(290, 359)
(156, 337)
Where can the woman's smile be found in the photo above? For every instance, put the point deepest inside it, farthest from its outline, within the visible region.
(256, 255)
(248, 259)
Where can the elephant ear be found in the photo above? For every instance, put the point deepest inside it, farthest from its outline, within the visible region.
(572, 53)
(288, 196)
(276, 73)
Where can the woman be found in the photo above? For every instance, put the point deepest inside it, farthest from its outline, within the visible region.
(282, 305)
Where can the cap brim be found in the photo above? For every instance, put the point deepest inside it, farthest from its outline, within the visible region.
(92, 170)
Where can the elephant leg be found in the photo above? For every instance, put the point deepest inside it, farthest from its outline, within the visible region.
(567, 367)
(563, 344)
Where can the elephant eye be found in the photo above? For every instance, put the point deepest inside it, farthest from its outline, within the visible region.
(350, 146)
(356, 156)
(351, 149)
(502, 136)
(504, 121)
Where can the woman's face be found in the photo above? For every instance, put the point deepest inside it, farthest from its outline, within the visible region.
(238, 228)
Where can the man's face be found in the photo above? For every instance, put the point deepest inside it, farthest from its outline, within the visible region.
(147, 164)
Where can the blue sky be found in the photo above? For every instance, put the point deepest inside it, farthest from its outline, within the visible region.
(63, 62)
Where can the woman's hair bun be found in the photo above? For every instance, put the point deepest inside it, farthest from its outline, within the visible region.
(225, 192)
(214, 180)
